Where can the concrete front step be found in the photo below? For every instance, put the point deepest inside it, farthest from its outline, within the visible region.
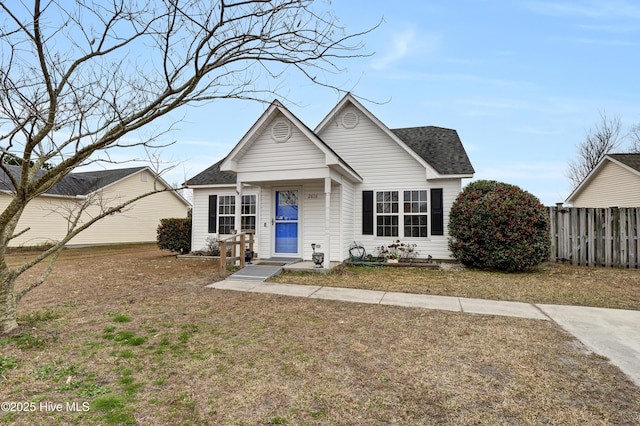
(256, 272)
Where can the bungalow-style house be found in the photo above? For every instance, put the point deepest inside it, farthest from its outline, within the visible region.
(47, 216)
(352, 179)
(613, 182)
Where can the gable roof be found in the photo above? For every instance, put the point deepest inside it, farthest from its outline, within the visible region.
(436, 148)
(630, 162)
(81, 183)
(440, 147)
(331, 157)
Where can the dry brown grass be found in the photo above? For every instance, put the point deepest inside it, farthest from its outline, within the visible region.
(206, 356)
(550, 283)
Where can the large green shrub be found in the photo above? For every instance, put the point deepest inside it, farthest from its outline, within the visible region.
(175, 235)
(495, 225)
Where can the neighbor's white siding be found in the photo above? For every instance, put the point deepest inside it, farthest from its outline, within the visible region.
(613, 186)
(47, 216)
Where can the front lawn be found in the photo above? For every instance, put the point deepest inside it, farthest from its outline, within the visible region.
(550, 283)
(132, 336)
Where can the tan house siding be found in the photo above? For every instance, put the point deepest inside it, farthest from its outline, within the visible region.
(47, 216)
(613, 186)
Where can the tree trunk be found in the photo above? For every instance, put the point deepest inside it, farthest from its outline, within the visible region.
(7, 302)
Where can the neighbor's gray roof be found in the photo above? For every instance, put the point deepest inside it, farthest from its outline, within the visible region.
(81, 183)
(439, 147)
(631, 160)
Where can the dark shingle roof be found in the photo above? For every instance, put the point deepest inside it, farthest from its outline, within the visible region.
(439, 147)
(631, 160)
(213, 176)
(81, 183)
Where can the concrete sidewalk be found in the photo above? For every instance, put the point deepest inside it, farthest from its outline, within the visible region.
(613, 333)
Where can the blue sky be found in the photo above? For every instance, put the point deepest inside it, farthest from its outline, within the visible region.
(521, 82)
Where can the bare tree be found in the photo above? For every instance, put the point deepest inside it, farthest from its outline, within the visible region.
(77, 78)
(634, 139)
(599, 141)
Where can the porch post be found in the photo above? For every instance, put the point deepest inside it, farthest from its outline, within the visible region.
(327, 222)
(238, 218)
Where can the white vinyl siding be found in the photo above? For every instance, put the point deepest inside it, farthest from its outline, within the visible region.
(613, 186)
(434, 245)
(370, 151)
(265, 154)
(347, 200)
(200, 218)
(385, 166)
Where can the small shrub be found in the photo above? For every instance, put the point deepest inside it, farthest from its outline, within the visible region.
(495, 225)
(121, 318)
(175, 235)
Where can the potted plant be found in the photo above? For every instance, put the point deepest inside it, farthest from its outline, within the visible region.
(317, 257)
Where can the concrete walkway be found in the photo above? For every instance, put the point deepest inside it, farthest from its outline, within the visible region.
(613, 333)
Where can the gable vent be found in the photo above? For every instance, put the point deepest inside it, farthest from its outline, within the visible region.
(281, 131)
(350, 120)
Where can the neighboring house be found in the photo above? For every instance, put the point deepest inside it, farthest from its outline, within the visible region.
(614, 182)
(47, 216)
(350, 179)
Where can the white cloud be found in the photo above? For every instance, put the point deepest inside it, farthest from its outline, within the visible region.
(598, 9)
(405, 43)
(600, 42)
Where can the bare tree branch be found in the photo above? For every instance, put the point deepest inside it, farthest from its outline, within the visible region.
(599, 141)
(73, 87)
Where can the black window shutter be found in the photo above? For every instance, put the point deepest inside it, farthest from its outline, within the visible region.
(437, 212)
(367, 212)
(213, 213)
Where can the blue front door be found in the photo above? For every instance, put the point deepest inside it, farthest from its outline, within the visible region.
(286, 222)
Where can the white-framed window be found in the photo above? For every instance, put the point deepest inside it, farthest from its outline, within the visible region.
(226, 213)
(415, 214)
(387, 216)
(387, 213)
(248, 213)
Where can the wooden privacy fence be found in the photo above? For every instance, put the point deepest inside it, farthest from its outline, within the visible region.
(595, 236)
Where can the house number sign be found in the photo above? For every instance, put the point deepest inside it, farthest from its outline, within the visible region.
(312, 196)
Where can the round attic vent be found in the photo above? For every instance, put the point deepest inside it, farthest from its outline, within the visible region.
(350, 120)
(281, 131)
